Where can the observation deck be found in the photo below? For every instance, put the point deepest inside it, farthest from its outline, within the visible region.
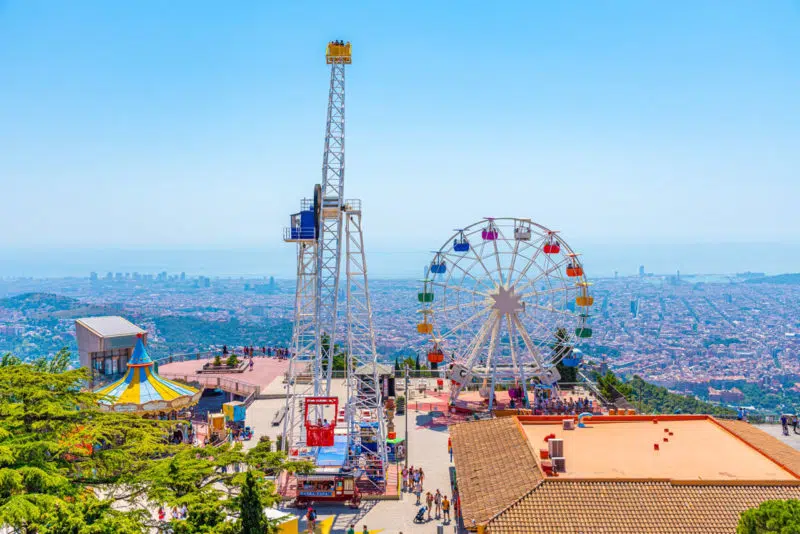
(338, 52)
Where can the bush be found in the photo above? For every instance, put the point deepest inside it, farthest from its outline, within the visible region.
(278, 442)
(233, 361)
(217, 361)
(401, 405)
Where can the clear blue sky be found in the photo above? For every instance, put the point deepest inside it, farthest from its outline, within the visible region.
(190, 123)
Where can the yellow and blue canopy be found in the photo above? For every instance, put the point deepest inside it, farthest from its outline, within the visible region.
(142, 390)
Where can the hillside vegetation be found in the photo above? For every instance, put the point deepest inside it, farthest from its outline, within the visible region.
(649, 398)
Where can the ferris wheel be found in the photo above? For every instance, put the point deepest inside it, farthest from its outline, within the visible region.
(505, 299)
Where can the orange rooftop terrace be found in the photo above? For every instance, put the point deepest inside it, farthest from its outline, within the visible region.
(617, 474)
(677, 448)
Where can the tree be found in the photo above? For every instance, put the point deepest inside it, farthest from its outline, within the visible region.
(339, 359)
(561, 349)
(56, 444)
(416, 363)
(251, 509)
(59, 363)
(771, 517)
(208, 482)
(9, 359)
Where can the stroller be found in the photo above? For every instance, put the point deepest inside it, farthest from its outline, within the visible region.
(420, 517)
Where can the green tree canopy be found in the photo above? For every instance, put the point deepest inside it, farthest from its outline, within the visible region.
(56, 445)
(771, 517)
(64, 461)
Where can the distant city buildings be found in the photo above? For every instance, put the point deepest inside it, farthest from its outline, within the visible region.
(641, 270)
(725, 396)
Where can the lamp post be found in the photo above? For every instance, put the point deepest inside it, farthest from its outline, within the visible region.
(406, 414)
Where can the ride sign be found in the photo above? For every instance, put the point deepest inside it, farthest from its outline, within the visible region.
(459, 374)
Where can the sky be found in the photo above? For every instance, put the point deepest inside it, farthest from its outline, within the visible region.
(194, 125)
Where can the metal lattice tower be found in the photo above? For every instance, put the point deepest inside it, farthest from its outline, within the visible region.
(302, 378)
(319, 232)
(363, 389)
(330, 227)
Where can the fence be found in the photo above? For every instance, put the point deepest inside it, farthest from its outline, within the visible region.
(183, 357)
(238, 387)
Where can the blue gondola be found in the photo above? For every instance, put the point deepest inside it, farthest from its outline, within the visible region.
(437, 265)
(460, 244)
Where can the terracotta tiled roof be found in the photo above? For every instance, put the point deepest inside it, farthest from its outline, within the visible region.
(632, 508)
(778, 451)
(495, 466)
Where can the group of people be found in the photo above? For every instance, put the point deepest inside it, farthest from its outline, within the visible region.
(440, 504)
(787, 420)
(281, 353)
(558, 406)
(436, 502)
(322, 423)
(176, 513)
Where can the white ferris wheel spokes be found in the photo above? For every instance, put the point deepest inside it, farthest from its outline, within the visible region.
(505, 298)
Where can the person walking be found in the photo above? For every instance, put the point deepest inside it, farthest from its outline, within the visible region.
(312, 519)
(429, 503)
(421, 477)
(365, 530)
(405, 479)
(418, 492)
(450, 448)
(446, 509)
(437, 501)
(351, 530)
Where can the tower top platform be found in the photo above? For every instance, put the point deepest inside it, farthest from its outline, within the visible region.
(338, 52)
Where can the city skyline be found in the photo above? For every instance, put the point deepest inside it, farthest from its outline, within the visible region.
(600, 260)
(203, 127)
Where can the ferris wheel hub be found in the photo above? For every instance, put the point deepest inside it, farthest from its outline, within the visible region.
(506, 301)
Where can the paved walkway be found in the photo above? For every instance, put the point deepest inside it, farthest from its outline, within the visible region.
(777, 432)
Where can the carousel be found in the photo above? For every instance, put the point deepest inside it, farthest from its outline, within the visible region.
(143, 391)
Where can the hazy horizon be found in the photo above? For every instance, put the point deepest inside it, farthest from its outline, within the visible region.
(600, 260)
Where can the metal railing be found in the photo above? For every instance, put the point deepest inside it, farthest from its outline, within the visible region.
(183, 357)
(231, 385)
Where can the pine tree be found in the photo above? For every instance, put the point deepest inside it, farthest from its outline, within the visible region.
(55, 444)
(251, 509)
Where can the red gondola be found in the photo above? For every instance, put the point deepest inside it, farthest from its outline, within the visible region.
(574, 270)
(435, 355)
(319, 434)
(551, 248)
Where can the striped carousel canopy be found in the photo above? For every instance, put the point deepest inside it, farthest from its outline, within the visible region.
(142, 390)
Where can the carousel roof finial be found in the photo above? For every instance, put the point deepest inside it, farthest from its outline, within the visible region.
(140, 356)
